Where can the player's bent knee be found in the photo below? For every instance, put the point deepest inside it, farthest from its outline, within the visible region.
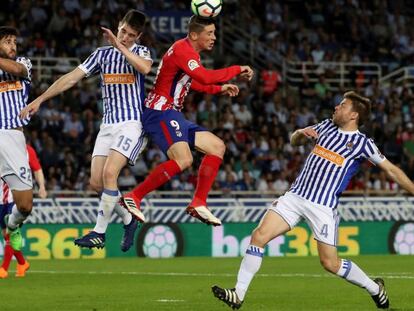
(221, 148)
(218, 148)
(184, 163)
(25, 207)
(330, 265)
(109, 175)
(260, 238)
(96, 186)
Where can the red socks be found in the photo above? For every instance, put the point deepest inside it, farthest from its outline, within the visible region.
(19, 257)
(206, 175)
(165, 171)
(8, 254)
(159, 176)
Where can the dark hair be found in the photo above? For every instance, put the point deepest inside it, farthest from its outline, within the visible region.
(197, 23)
(360, 104)
(135, 19)
(6, 31)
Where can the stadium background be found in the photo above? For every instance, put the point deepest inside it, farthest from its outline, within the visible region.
(305, 55)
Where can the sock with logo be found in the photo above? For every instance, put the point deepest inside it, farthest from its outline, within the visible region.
(353, 274)
(159, 176)
(109, 199)
(250, 265)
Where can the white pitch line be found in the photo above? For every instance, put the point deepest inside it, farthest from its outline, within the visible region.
(170, 300)
(397, 275)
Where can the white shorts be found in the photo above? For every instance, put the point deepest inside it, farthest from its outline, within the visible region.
(322, 220)
(14, 160)
(127, 138)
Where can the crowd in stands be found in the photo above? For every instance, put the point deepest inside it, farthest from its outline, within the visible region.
(256, 125)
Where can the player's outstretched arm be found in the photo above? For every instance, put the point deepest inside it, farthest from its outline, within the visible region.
(213, 76)
(62, 84)
(303, 136)
(397, 175)
(140, 64)
(225, 89)
(12, 67)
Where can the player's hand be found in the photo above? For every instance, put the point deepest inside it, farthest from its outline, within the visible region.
(111, 38)
(42, 193)
(229, 90)
(310, 133)
(246, 72)
(30, 109)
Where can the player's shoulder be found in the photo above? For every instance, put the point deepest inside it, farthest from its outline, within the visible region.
(141, 49)
(24, 60)
(182, 46)
(324, 124)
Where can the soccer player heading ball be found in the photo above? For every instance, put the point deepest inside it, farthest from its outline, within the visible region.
(179, 71)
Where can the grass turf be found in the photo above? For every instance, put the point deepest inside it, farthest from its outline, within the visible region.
(184, 284)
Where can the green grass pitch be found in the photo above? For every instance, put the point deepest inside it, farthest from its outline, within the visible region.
(184, 284)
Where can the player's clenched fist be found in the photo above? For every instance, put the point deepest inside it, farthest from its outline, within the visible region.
(246, 72)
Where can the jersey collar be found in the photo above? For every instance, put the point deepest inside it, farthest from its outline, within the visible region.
(348, 132)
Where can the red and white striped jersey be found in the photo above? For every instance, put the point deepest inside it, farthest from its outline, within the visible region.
(6, 196)
(180, 69)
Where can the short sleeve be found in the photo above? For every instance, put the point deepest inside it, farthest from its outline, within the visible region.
(27, 64)
(144, 52)
(372, 152)
(91, 65)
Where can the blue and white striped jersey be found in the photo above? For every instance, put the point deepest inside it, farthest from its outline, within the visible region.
(333, 161)
(121, 84)
(14, 92)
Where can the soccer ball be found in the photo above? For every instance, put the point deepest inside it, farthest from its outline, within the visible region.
(404, 239)
(206, 8)
(160, 242)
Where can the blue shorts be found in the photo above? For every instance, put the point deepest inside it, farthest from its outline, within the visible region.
(5, 209)
(169, 127)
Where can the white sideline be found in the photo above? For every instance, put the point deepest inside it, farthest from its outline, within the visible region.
(388, 275)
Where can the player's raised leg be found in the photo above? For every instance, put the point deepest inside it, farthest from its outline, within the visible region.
(271, 226)
(352, 273)
(180, 157)
(214, 149)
